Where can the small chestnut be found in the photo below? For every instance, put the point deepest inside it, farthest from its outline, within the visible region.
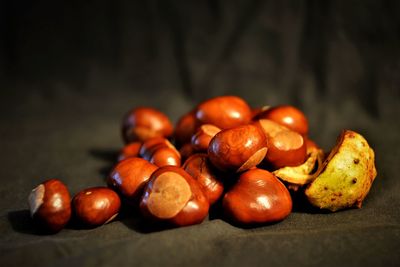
(224, 112)
(129, 177)
(206, 175)
(173, 196)
(288, 116)
(238, 149)
(96, 206)
(160, 152)
(186, 151)
(50, 205)
(185, 128)
(143, 123)
(285, 147)
(201, 139)
(130, 150)
(257, 197)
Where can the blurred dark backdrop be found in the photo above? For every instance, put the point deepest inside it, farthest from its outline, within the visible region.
(309, 53)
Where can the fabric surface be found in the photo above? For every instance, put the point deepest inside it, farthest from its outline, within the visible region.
(70, 71)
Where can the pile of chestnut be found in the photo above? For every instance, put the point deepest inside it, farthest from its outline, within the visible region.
(221, 153)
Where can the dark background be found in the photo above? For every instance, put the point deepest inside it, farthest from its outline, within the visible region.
(70, 70)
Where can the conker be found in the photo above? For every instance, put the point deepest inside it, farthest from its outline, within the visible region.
(130, 150)
(143, 123)
(129, 177)
(174, 197)
(185, 128)
(206, 175)
(96, 206)
(285, 147)
(186, 151)
(201, 139)
(257, 197)
(160, 152)
(288, 116)
(50, 205)
(224, 112)
(238, 149)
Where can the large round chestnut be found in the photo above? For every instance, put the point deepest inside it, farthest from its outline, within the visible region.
(224, 112)
(173, 196)
(185, 128)
(288, 116)
(50, 205)
(257, 197)
(130, 150)
(238, 149)
(96, 206)
(160, 152)
(285, 147)
(201, 139)
(143, 123)
(206, 175)
(129, 177)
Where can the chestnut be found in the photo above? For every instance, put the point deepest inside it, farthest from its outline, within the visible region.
(285, 147)
(50, 205)
(160, 152)
(142, 123)
(257, 197)
(173, 196)
(129, 177)
(288, 116)
(238, 149)
(206, 175)
(185, 128)
(130, 150)
(186, 151)
(96, 206)
(201, 139)
(224, 112)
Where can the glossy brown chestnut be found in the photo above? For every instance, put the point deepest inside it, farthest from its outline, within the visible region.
(288, 116)
(201, 139)
(186, 151)
(173, 196)
(160, 152)
(257, 197)
(130, 150)
(185, 128)
(206, 175)
(96, 206)
(50, 205)
(238, 149)
(285, 147)
(129, 178)
(224, 112)
(143, 123)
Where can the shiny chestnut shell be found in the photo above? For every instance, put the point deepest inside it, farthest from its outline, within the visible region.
(129, 177)
(160, 152)
(185, 128)
(202, 138)
(288, 116)
(199, 167)
(174, 197)
(143, 123)
(257, 197)
(238, 149)
(224, 112)
(130, 150)
(285, 147)
(96, 206)
(50, 205)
